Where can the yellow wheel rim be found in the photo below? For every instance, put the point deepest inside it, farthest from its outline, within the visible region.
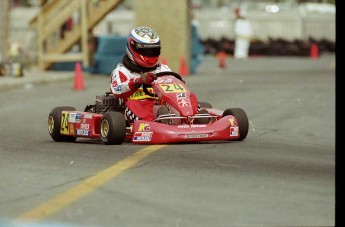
(51, 124)
(104, 128)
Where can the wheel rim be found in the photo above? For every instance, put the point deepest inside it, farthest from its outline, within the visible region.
(51, 124)
(104, 128)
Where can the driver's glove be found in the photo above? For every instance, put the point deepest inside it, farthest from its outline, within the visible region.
(146, 78)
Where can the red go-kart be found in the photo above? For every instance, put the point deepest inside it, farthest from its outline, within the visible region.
(175, 121)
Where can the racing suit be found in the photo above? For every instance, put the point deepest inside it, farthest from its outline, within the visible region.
(138, 105)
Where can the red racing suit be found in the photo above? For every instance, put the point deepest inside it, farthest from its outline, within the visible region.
(138, 104)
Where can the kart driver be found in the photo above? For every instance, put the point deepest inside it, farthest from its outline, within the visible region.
(138, 67)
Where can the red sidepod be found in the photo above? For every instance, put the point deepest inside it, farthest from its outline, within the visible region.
(80, 124)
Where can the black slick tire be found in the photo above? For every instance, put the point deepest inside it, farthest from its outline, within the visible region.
(54, 124)
(242, 121)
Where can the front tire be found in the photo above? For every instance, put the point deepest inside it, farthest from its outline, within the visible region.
(54, 124)
(113, 128)
(205, 105)
(242, 120)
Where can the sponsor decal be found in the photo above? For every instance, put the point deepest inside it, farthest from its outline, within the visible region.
(163, 80)
(181, 95)
(140, 94)
(234, 131)
(65, 117)
(78, 118)
(232, 122)
(144, 127)
(192, 126)
(72, 117)
(71, 129)
(198, 126)
(191, 136)
(88, 116)
(118, 87)
(142, 136)
(183, 102)
(84, 126)
(83, 132)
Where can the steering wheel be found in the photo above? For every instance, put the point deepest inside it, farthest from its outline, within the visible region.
(147, 92)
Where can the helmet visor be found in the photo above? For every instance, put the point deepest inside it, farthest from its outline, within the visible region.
(147, 49)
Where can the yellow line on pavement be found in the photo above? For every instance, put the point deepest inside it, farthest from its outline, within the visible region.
(60, 201)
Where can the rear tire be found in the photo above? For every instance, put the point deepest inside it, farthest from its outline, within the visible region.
(242, 120)
(54, 124)
(113, 128)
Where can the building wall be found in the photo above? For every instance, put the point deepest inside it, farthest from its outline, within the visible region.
(4, 19)
(171, 20)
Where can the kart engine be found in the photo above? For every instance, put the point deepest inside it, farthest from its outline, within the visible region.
(105, 103)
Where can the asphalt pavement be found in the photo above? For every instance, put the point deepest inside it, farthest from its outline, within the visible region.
(32, 77)
(282, 174)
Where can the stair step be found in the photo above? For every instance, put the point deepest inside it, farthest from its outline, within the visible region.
(52, 24)
(63, 57)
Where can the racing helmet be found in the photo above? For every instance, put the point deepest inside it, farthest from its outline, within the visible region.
(143, 47)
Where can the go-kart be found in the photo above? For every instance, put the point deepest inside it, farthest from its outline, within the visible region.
(174, 121)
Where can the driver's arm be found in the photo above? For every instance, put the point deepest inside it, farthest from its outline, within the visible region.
(122, 82)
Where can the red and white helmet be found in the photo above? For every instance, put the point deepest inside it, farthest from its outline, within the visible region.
(144, 47)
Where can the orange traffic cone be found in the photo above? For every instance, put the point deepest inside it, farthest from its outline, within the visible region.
(184, 71)
(314, 51)
(78, 77)
(222, 58)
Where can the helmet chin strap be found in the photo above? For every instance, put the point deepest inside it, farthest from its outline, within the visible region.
(126, 61)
